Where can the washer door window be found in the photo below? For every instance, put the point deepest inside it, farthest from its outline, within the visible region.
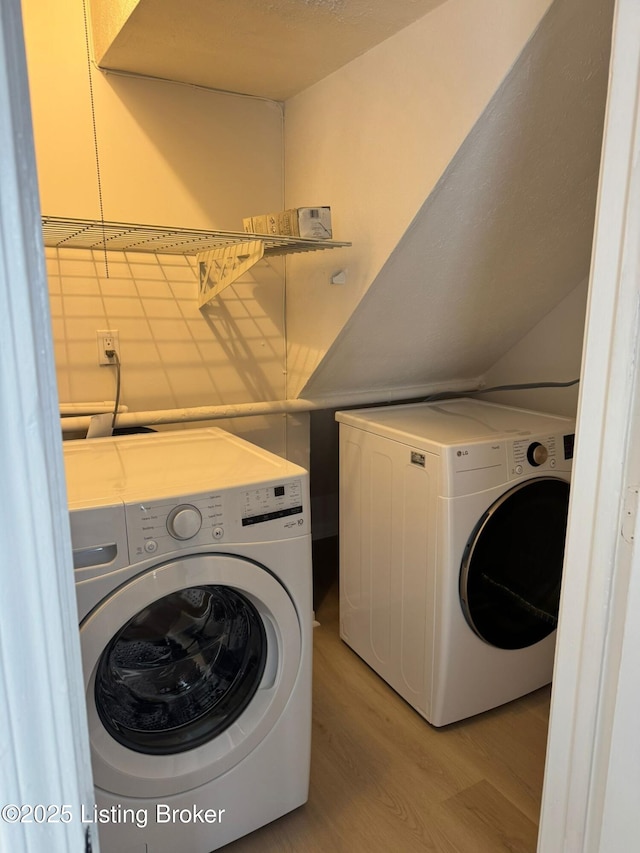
(182, 670)
(512, 566)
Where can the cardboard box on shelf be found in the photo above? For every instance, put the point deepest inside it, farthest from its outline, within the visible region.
(266, 223)
(315, 222)
(272, 223)
(309, 223)
(287, 223)
(260, 224)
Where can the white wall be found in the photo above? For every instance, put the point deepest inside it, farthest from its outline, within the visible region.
(373, 139)
(169, 155)
(550, 352)
(172, 354)
(503, 236)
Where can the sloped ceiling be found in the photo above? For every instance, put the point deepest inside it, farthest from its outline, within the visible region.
(506, 233)
(273, 49)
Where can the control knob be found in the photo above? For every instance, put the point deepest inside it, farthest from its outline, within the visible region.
(537, 454)
(184, 521)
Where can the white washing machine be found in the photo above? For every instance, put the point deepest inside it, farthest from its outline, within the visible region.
(192, 555)
(452, 529)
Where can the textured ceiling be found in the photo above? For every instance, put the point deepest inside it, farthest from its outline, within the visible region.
(271, 48)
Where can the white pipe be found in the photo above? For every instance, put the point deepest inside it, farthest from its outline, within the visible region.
(90, 408)
(246, 410)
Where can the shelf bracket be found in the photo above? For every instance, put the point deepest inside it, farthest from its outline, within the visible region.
(220, 267)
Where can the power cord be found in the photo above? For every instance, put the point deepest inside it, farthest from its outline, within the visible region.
(523, 386)
(112, 354)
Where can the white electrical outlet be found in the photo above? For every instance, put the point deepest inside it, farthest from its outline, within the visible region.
(107, 340)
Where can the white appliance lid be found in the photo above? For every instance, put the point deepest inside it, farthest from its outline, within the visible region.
(453, 422)
(167, 464)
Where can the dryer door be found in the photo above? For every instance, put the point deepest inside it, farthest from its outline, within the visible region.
(187, 668)
(512, 566)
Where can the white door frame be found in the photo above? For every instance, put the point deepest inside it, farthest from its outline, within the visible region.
(43, 732)
(591, 797)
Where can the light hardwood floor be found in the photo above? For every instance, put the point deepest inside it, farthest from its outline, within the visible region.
(382, 779)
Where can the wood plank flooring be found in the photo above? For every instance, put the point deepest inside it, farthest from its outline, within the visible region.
(382, 779)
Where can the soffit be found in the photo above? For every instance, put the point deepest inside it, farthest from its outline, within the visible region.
(270, 49)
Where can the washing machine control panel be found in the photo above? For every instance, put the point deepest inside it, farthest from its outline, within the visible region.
(271, 511)
(272, 502)
(163, 526)
(540, 453)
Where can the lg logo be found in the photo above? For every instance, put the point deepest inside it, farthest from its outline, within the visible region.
(463, 453)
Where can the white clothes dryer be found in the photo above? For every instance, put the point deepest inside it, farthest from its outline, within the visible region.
(452, 528)
(192, 555)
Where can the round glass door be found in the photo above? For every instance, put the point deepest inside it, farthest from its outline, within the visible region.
(181, 670)
(512, 565)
